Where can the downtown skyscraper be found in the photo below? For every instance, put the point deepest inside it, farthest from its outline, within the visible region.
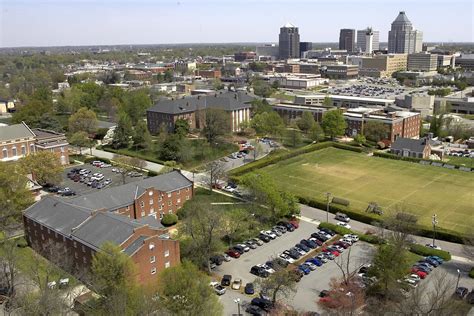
(289, 42)
(402, 38)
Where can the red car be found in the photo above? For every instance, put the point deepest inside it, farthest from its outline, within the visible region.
(232, 253)
(419, 273)
(336, 253)
(295, 224)
(342, 244)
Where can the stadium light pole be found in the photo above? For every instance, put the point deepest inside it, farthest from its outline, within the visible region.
(237, 301)
(434, 221)
(328, 200)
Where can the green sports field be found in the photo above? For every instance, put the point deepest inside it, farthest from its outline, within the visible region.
(422, 190)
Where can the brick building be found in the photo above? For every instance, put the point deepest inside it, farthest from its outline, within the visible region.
(400, 123)
(209, 74)
(18, 140)
(406, 147)
(126, 215)
(192, 109)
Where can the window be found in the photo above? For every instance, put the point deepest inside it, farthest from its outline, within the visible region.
(151, 246)
(42, 236)
(32, 148)
(187, 197)
(14, 151)
(178, 191)
(75, 244)
(167, 264)
(169, 194)
(170, 211)
(83, 248)
(160, 198)
(23, 150)
(178, 201)
(143, 213)
(75, 255)
(152, 259)
(151, 201)
(150, 193)
(167, 253)
(152, 210)
(161, 207)
(128, 207)
(187, 189)
(142, 204)
(41, 227)
(153, 270)
(169, 203)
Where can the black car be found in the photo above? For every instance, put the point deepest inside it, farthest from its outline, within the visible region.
(264, 238)
(470, 297)
(292, 253)
(255, 310)
(226, 279)
(304, 247)
(262, 303)
(309, 243)
(217, 259)
(319, 237)
(68, 193)
(53, 189)
(259, 271)
(249, 288)
(461, 292)
(288, 226)
(239, 249)
(328, 231)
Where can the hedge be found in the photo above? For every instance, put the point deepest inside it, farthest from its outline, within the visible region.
(169, 219)
(471, 273)
(91, 159)
(348, 147)
(371, 239)
(426, 251)
(152, 173)
(338, 229)
(132, 154)
(410, 159)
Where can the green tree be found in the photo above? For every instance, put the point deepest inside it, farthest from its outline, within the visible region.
(113, 278)
(84, 120)
(135, 105)
(122, 133)
(14, 194)
(184, 290)
(217, 123)
(316, 133)
(80, 139)
(359, 139)
(45, 167)
(306, 122)
(168, 76)
(333, 123)
(261, 88)
(141, 136)
(217, 84)
(327, 101)
(376, 131)
(260, 106)
(32, 112)
(268, 123)
(181, 127)
(170, 148)
(436, 124)
(293, 136)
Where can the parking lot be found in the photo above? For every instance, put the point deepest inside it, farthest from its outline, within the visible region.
(310, 285)
(82, 188)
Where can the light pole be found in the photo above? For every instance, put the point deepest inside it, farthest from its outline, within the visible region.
(434, 222)
(459, 276)
(237, 301)
(351, 295)
(328, 200)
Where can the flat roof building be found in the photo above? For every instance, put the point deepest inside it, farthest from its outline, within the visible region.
(342, 101)
(368, 40)
(289, 42)
(422, 62)
(383, 65)
(347, 40)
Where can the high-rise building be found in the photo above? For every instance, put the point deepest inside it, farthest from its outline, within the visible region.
(402, 38)
(305, 46)
(289, 42)
(347, 38)
(368, 40)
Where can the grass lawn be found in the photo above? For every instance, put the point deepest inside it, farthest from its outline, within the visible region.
(468, 162)
(423, 190)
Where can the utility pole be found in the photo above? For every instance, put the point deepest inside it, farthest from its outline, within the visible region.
(237, 301)
(328, 200)
(434, 221)
(459, 276)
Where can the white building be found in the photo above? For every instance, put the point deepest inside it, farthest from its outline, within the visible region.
(368, 40)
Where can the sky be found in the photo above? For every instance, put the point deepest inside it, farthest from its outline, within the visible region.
(112, 22)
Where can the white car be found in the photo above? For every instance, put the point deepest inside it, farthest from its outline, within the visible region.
(338, 248)
(266, 268)
(353, 237)
(300, 251)
(229, 189)
(346, 240)
(246, 248)
(411, 282)
(345, 225)
(276, 232)
(220, 290)
(226, 257)
(269, 234)
(415, 277)
(311, 265)
(433, 246)
(257, 241)
(287, 258)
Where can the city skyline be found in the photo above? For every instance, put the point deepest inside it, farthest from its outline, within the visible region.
(118, 22)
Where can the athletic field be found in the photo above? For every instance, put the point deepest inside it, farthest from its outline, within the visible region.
(422, 190)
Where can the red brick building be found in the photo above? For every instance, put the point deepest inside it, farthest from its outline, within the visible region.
(126, 215)
(209, 74)
(400, 123)
(17, 141)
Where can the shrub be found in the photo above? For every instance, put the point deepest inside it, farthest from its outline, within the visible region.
(426, 251)
(372, 239)
(91, 159)
(169, 219)
(347, 147)
(471, 273)
(152, 173)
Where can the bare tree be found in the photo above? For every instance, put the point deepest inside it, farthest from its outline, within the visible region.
(343, 262)
(215, 173)
(127, 164)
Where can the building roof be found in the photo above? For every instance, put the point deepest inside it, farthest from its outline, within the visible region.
(413, 145)
(102, 227)
(227, 101)
(402, 18)
(15, 131)
(57, 214)
(288, 25)
(134, 246)
(119, 196)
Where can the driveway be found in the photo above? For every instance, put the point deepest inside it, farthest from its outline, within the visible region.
(307, 289)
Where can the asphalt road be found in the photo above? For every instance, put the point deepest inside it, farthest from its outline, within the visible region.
(307, 289)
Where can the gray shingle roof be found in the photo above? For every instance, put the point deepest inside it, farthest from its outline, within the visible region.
(227, 101)
(134, 246)
(16, 131)
(116, 197)
(57, 214)
(102, 227)
(414, 145)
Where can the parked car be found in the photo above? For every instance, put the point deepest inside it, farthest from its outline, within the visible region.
(269, 233)
(342, 224)
(292, 253)
(288, 225)
(299, 250)
(297, 274)
(68, 193)
(328, 231)
(310, 265)
(287, 258)
(232, 253)
(315, 261)
(217, 259)
(255, 310)
(266, 268)
(461, 292)
(264, 238)
(320, 237)
(420, 273)
(277, 232)
(251, 244)
(433, 246)
(354, 237)
(304, 268)
(281, 228)
(322, 257)
(249, 289)
(342, 244)
(237, 284)
(303, 247)
(295, 224)
(219, 289)
(440, 260)
(262, 303)
(226, 257)
(470, 296)
(258, 241)
(317, 241)
(277, 263)
(239, 249)
(226, 279)
(245, 247)
(259, 271)
(309, 243)
(432, 262)
(330, 255)
(415, 269)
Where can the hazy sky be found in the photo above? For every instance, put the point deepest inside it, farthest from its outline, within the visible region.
(103, 22)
